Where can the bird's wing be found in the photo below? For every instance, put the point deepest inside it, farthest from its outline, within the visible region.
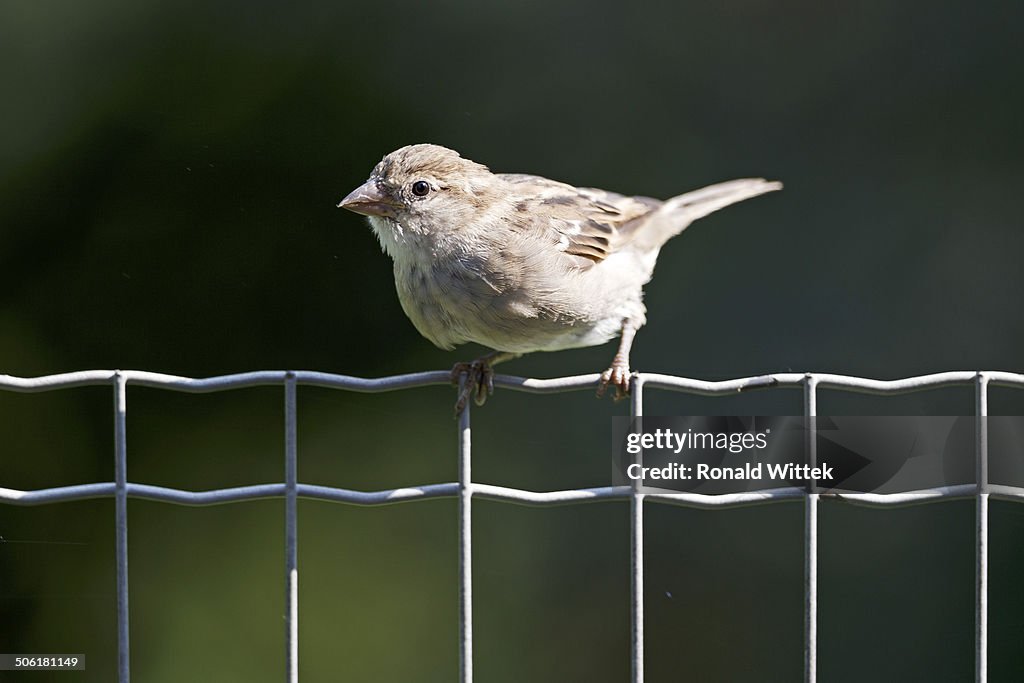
(585, 222)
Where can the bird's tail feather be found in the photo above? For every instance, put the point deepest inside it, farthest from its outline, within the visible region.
(676, 214)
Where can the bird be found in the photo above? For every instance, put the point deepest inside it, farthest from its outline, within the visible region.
(519, 263)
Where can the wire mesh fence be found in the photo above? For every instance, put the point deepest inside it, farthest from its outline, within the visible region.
(465, 489)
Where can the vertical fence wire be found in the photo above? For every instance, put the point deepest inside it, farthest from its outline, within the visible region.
(811, 537)
(291, 532)
(636, 536)
(465, 544)
(981, 530)
(121, 522)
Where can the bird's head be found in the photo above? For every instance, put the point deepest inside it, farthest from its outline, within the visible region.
(421, 192)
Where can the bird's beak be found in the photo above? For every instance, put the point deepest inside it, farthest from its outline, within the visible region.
(368, 200)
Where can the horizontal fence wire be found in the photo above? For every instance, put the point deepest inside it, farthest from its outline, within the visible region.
(465, 490)
(498, 493)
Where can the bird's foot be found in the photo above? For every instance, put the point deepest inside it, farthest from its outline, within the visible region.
(618, 376)
(479, 382)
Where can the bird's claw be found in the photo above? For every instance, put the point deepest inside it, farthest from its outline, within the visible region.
(479, 382)
(618, 376)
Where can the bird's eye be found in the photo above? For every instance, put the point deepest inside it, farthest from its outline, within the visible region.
(420, 188)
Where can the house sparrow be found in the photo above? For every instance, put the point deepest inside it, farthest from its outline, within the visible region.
(520, 263)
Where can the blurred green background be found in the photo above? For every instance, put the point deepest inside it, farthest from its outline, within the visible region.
(168, 178)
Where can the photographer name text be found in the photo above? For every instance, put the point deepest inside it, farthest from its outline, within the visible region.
(756, 471)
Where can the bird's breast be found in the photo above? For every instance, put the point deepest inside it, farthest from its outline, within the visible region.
(446, 299)
(510, 308)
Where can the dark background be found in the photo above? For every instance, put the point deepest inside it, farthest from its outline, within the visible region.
(168, 177)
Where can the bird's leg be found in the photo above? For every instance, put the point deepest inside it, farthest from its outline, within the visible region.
(618, 374)
(479, 378)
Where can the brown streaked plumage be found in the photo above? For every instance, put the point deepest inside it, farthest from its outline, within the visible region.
(520, 263)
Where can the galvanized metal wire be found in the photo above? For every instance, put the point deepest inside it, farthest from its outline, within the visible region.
(465, 489)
